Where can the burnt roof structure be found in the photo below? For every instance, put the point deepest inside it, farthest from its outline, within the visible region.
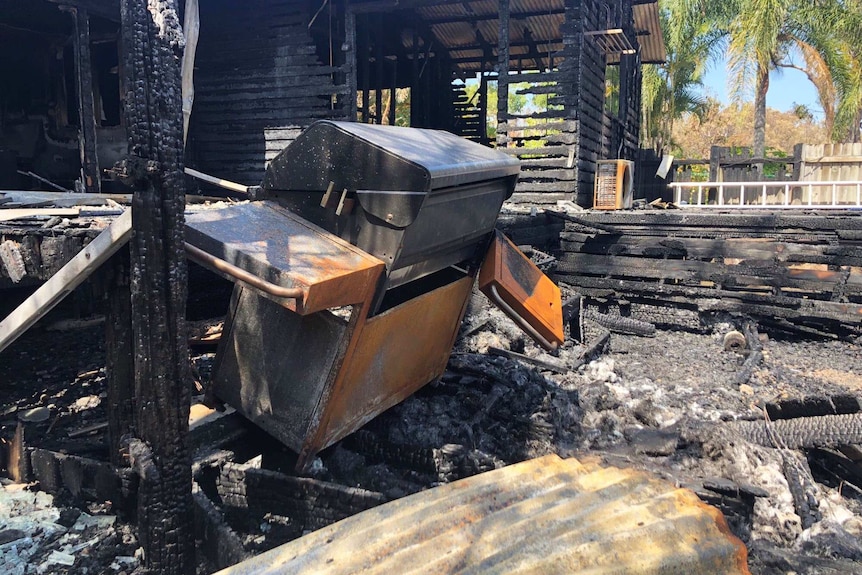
(555, 83)
(266, 70)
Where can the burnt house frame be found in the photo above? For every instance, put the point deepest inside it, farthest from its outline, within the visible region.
(266, 69)
(60, 99)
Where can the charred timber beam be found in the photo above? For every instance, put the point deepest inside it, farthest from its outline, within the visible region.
(152, 41)
(389, 5)
(220, 544)
(503, 69)
(491, 17)
(393, 92)
(86, 103)
(119, 363)
(803, 432)
(350, 63)
(533, 49)
(362, 52)
(107, 9)
(378, 64)
(312, 503)
(802, 487)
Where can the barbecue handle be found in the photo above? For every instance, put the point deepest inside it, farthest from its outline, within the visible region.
(522, 323)
(240, 274)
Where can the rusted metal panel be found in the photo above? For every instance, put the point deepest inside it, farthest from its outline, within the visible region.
(395, 353)
(523, 287)
(272, 243)
(310, 380)
(273, 365)
(650, 38)
(547, 515)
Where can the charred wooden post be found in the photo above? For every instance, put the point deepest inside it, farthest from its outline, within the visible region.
(86, 105)
(393, 93)
(503, 74)
(378, 74)
(350, 57)
(153, 47)
(364, 46)
(414, 82)
(119, 363)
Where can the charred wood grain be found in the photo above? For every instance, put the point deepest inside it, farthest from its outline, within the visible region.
(221, 545)
(802, 488)
(312, 503)
(620, 324)
(82, 478)
(152, 41)
(803, 432)
(86, 103)
(119, 363)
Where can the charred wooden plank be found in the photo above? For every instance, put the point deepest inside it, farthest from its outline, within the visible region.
(539, 362)
(220, 544)
(312, 503)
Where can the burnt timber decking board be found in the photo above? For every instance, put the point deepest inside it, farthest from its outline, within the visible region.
(804, 268)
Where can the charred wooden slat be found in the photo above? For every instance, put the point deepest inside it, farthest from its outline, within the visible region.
(620, 324)
(220, 544)
(310, 502)
(802, 488)
(542, 363)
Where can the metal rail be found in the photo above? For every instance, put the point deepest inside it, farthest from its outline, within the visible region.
(240, 274)
(522, 323)
(699, 194)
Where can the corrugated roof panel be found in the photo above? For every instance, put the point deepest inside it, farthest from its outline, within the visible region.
(543, 18)
(547, 515)
(653, 50)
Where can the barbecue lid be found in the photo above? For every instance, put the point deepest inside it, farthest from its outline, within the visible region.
(408, 163)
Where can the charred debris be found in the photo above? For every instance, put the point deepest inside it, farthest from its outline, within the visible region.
(719, 352)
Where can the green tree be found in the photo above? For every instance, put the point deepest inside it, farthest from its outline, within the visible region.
(763, 35)
(671, 90)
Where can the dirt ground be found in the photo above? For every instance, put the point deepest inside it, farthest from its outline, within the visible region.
(661, 403)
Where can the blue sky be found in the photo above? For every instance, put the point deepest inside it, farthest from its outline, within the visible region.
(786, 88)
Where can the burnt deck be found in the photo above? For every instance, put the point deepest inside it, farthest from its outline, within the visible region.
(800, 268)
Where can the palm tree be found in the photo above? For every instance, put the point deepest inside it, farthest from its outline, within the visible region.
(670, 90)
(762, 34)
(843, 18)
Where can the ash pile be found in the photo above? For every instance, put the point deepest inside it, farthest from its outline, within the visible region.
(681, 394)
(758, 426)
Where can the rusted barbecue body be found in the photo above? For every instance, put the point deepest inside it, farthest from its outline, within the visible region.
(418, 200)
(383, 230)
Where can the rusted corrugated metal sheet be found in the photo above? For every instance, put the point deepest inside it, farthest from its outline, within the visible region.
(547, 515)
(650, 38)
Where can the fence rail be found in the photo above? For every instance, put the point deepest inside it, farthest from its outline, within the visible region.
(788, 194)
